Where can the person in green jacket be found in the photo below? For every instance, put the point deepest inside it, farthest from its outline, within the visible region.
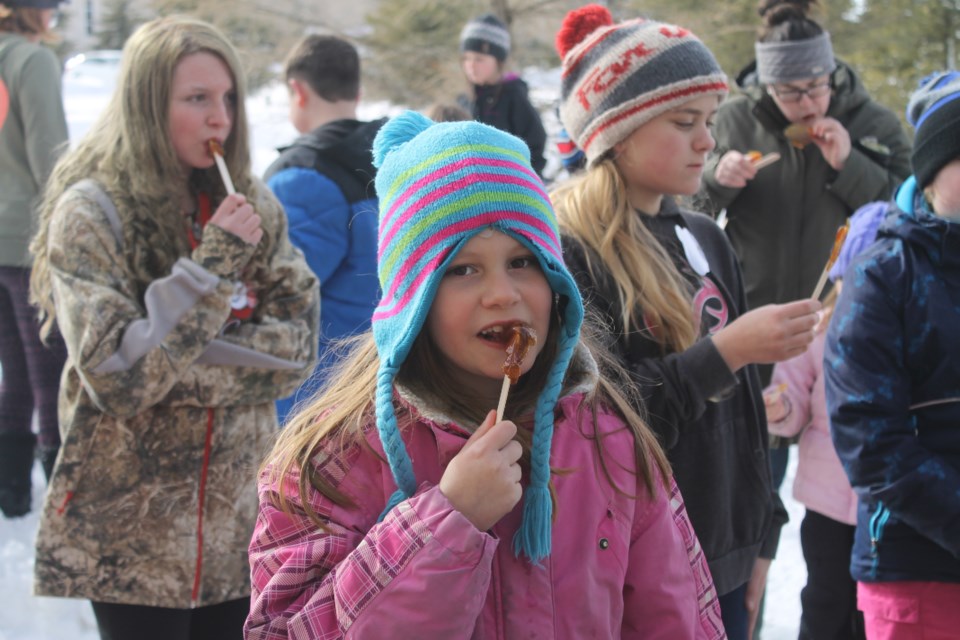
(836, 150)
(33, 129)
(782, 218)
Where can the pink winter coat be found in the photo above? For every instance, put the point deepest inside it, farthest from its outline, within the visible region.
(621, 567)
(820, 484)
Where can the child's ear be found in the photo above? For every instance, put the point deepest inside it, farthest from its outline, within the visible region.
(298, 92)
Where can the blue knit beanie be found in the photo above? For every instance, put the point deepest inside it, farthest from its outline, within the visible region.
(862, 232)
(934, 111)
(440, 184)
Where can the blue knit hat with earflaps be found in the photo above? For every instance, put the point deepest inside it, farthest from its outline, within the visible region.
(440, 184)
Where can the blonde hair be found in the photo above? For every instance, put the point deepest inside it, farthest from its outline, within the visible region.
(338, 415)
(27, 21)
(130, 153)
(592, 208)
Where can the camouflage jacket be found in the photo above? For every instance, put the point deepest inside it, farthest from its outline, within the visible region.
(166, 408)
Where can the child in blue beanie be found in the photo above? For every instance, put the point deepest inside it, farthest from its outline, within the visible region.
(397, 504)
(893, 387)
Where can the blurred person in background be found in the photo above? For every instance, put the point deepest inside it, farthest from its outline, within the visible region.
(33, 130)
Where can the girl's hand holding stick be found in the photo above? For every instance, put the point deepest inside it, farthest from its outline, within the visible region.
(834, 253)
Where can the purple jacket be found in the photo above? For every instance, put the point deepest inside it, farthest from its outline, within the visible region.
(621, 567)
(821, 484)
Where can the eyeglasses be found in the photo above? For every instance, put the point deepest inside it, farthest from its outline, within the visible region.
(793, 94)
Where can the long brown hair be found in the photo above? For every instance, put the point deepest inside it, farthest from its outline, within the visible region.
(592, 208)
(342, 410)
(130, 153)
(27, 21)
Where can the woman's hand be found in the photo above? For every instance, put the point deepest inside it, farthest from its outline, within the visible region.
(483, 481)
(768, 334)
(235, 215)
(734, 170)
(833, 140)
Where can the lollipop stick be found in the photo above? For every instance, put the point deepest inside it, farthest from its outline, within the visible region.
(821, 282)
(504, 390)
(766, 160)
(224, 174)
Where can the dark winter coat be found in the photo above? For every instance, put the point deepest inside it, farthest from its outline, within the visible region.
(892, 367)
(710, 420)
(507, 107)
(783, 223)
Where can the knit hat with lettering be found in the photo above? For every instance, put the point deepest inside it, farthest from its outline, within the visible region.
(486, 34)
(440, 184)
(934, 111)
(616, 77)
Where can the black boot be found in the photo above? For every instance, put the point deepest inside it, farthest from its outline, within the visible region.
(48, 457)
(16, 463)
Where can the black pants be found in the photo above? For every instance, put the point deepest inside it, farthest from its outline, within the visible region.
(133, 622)
(829, 600)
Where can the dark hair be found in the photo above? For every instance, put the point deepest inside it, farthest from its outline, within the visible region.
(328, 64)
(446, 112)
(787, 20)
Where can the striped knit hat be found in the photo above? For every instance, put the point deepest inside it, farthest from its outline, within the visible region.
(439, 184)
(615, 77)
(486, 34)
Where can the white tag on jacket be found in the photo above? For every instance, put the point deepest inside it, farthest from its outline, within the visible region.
(693, 251)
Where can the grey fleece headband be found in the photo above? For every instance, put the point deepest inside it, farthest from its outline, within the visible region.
(779, 62)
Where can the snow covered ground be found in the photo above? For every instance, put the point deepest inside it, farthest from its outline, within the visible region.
(25, 617)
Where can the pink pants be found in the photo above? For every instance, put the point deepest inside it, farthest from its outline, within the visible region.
(910, 610)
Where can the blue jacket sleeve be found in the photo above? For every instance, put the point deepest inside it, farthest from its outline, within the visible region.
(318, 216)
(868, 385)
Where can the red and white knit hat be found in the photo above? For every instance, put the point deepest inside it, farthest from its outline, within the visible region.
(616, 77)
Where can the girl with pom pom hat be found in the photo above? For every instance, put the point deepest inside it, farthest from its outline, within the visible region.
(639, 98)
(397, 504)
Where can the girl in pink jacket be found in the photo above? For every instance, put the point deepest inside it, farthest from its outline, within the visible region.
(397, 504)
(796, 405)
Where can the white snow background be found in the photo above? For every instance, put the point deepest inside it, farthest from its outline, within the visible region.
(87, 86)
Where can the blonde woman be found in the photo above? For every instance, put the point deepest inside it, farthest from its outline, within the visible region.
(32, 132)
(668, 284)
(186, 313)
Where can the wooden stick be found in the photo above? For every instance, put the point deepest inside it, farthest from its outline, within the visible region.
(766, 160)
(504, 390)
(224, 174)
(834, 254)
(822, 281)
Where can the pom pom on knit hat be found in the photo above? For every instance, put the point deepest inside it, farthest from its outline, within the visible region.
(618, 76)
(486, 34)
(862, 232)
(440, 184)
(934, 111)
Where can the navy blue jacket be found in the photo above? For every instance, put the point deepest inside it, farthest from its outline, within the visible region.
(325, 182)
(892, 368)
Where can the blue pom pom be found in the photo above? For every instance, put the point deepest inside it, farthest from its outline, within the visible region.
(397, 132)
